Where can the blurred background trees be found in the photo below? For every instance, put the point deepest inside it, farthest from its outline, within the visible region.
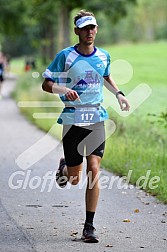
(40, 27)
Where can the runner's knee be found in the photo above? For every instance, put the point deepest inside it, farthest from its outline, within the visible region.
(93, 165)
(94, 169)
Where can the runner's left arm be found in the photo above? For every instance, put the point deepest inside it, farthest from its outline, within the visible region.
(112, 87)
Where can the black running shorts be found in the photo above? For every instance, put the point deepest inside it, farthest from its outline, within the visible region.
(83, 141)
(1, 78)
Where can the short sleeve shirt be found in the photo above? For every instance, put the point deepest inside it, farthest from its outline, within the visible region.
(82, 73)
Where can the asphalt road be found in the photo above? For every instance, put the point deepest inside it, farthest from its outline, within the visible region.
(35, 215)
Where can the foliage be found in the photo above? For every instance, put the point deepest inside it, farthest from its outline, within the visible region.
(114, 10)
(46, 24)
(12, 16)
(141, 23)
(161, 118)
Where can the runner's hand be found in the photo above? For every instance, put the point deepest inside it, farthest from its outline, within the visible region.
(123, 102)
(72, 95)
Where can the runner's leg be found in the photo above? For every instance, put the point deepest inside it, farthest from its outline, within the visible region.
(92, 191)
(92, 195)
(72, 136)
(73, 173)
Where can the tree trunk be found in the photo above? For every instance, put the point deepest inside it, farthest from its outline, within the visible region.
(48, 47)
(64, 28)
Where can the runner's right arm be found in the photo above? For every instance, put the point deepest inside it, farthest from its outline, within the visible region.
(51, 87)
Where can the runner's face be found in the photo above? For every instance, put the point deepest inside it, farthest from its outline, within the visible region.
(87, 34)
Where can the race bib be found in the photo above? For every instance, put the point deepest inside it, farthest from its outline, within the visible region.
(86, 116)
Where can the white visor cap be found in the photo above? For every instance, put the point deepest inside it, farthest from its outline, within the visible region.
(86, 20)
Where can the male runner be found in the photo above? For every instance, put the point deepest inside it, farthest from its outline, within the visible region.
(77, 74)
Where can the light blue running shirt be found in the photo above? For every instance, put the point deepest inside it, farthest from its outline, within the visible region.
(84, 74)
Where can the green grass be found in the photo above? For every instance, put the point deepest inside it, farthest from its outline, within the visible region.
(139, 142)
(17, 65)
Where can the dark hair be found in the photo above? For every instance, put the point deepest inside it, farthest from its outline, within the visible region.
(82, 13)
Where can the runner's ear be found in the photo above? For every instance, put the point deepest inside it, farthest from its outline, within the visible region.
(76, 30)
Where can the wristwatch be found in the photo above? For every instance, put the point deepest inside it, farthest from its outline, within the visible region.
(119, 92)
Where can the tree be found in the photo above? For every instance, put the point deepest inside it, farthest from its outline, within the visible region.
(45, 13)
(47, 23)
(35, 19)
(113, 9)
(151, 17)
(12, 16)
